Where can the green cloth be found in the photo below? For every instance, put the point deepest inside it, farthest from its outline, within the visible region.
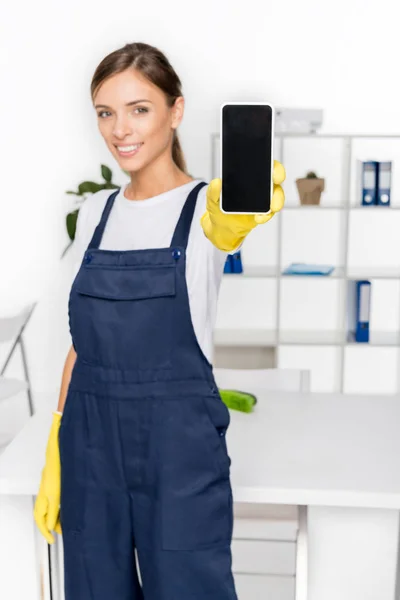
(237, 400)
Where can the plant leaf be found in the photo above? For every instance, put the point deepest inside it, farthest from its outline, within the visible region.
(89, 186)
(106, 173)
(71, 220)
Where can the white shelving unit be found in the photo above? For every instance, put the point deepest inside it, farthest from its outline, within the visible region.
(303, 319)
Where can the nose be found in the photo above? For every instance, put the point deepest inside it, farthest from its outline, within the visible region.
(122, 127)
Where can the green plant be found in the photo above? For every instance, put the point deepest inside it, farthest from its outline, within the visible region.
(311, 175)
(85, 188)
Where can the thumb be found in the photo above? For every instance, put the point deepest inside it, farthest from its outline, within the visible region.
(214, 190)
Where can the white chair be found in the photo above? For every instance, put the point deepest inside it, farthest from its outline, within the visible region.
(11, 331)
(269, 545)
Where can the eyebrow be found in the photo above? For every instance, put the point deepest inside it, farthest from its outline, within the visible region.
(127, 104)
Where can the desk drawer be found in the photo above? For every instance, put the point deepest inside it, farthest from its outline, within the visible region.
(267, 522)
(264, 587)
(263, 529)
(263, 557)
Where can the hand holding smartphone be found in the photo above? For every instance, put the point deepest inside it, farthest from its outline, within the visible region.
(246, 151)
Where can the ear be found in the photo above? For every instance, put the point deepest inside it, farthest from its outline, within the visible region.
(177, 111)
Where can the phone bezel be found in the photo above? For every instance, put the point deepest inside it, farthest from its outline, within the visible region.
(272, 154)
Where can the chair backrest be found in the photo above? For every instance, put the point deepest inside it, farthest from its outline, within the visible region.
(251, 380)
(11, 330)
(11, 327)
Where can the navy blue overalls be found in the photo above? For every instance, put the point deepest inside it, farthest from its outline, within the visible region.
(144, 460)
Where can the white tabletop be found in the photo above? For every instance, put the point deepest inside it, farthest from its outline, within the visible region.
(313, 449)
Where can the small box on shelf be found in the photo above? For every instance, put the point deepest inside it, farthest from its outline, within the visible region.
(310, 189)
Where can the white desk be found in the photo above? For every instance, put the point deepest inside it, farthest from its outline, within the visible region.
(338, 455)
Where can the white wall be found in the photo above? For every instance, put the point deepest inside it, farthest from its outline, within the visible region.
(293, 54)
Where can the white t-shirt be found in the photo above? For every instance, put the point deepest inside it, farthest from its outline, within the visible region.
(150, 223)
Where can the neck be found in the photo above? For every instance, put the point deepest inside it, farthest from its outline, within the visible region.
(156, 178)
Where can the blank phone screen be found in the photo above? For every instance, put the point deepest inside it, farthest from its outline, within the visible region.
(246, 157)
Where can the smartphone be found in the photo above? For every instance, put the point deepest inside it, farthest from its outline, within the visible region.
(246, 155)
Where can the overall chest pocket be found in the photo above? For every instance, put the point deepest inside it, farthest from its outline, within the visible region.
(122, 316)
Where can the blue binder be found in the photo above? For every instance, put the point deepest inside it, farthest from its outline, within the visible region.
(368, 177)
(233, 263)
(237, 266)
(228, 264)
(384, 183)
(359, 310)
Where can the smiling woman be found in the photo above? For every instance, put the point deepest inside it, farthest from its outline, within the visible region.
(142, 462)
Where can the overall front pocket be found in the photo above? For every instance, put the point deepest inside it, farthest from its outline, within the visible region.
(196, 495)
(219, 419)
(72, 442)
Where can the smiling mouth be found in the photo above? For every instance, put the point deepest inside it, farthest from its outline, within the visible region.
(129, 150)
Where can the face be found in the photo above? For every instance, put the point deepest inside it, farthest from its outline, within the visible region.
(134, 119)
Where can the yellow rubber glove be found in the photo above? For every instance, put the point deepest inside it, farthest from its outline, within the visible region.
(47, 506)
(227, 231)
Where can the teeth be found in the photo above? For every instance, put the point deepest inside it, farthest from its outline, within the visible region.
(128, 148)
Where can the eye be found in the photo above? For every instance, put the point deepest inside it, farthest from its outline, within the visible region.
(102, 113)
(145, 110)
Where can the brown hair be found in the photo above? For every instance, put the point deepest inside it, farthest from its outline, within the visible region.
(154, 65)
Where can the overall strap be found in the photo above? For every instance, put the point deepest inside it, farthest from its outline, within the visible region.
(98, 232)
(182, 229)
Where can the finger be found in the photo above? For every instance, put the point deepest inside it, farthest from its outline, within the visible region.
(279, 173)
(41, 523)
(57, 528)
(214, 190)
(40, 514)
(52, 515)
(261, 218)
(278, 199)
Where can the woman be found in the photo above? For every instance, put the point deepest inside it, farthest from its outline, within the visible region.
(139, 457)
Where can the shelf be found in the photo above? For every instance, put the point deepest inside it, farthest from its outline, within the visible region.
(271, 272)
(245, 337)
(359, 247)
(255, 271)
(374, 207)
(336, 338)
(311, 338)
(264, 337)
(355, 273)
(268, 338)
(378, 338)
(338, 207)
(313, 207)
(373, 273)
